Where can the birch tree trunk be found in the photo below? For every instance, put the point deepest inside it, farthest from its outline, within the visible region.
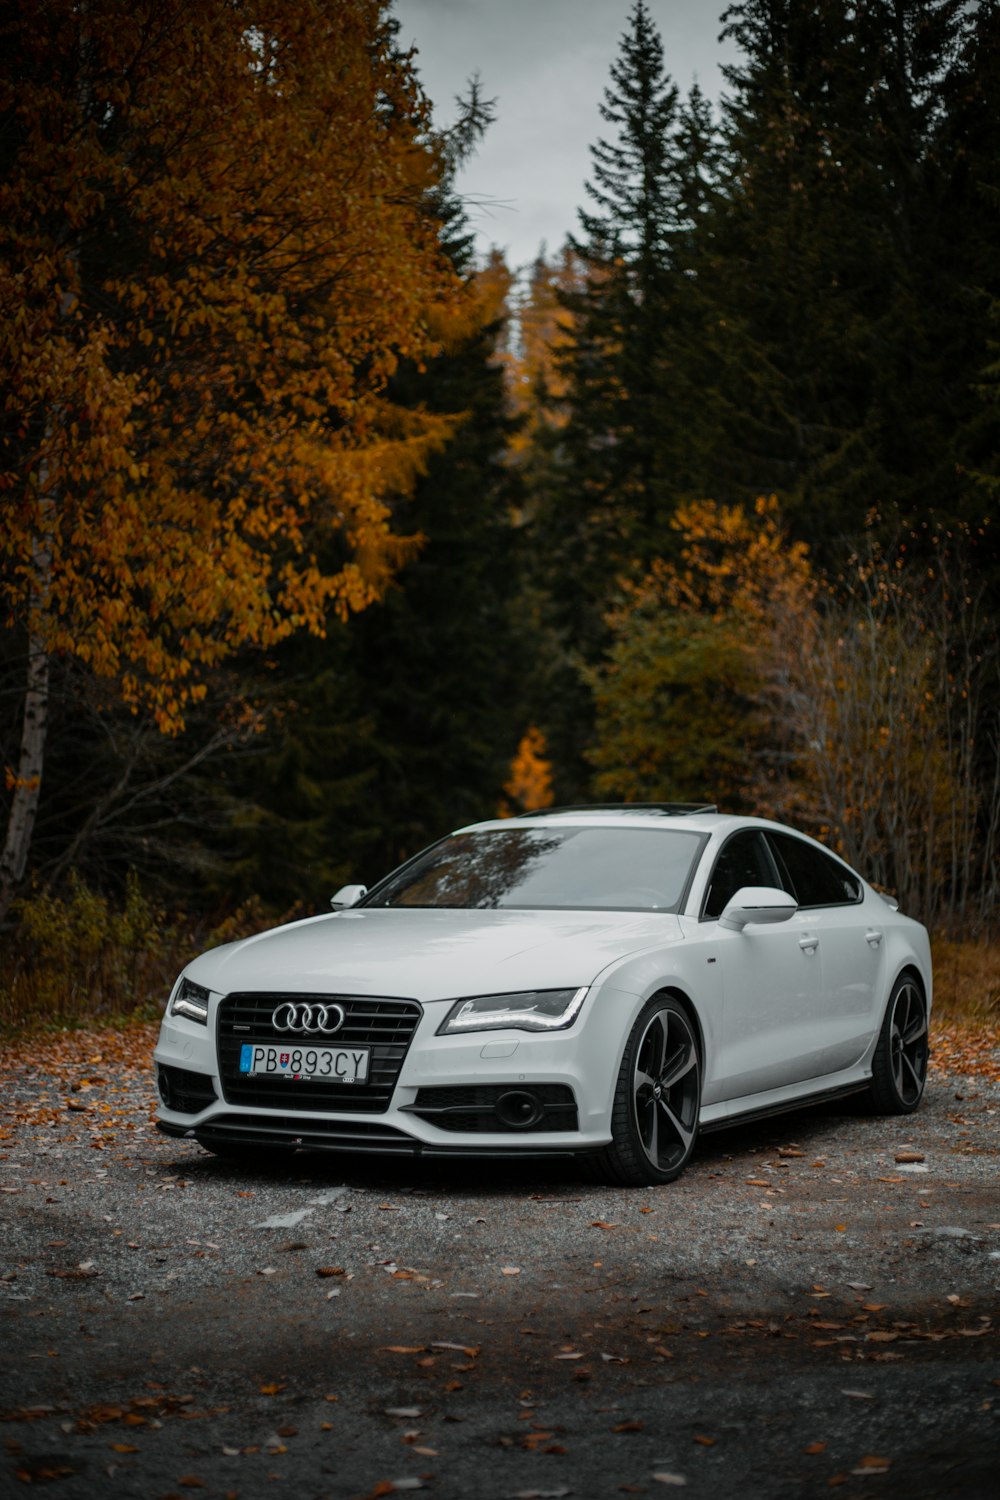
(27, 779)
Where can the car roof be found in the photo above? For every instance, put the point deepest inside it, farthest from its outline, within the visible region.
(692, 817)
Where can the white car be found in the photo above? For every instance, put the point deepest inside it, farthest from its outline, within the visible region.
(603, 982)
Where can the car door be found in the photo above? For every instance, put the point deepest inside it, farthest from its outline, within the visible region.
(772, 1033)
(851, 946)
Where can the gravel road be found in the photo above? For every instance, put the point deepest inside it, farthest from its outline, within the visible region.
(811, 1309)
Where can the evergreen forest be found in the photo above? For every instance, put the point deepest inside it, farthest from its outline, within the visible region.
(322, 536)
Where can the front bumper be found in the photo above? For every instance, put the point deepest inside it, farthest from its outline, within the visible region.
(495, 1094)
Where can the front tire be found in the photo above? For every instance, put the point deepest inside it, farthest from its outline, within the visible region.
(654, 1122)
(899, 1066)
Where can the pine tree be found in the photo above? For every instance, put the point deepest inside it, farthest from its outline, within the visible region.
(618, 461)
(616, 469)
(822, 272)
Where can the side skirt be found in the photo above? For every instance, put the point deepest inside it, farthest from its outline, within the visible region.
(786, 1107)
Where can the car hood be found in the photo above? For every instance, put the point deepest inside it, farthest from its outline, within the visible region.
(431, 954)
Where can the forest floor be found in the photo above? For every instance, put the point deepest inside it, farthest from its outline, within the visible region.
(811, 1310)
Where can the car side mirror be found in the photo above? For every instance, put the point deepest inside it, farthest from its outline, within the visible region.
(348, 895)
(758, 903)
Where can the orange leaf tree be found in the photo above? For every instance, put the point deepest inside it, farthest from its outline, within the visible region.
(215, 246)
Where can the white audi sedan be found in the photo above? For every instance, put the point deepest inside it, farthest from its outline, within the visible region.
(601, 982)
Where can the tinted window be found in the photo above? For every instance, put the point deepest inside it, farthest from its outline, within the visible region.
(631, 869)
(815, 878)
(744, 860)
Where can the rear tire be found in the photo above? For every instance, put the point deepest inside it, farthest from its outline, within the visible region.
(899, 1066)
(654, 1122)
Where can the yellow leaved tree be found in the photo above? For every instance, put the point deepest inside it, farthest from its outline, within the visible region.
(704, 649)
(216, 243)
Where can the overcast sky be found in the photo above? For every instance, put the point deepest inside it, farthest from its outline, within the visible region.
(546, 62)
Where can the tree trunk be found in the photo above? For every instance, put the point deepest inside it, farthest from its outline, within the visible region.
(27, 781)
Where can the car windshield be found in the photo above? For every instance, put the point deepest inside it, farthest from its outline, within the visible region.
(614, 869)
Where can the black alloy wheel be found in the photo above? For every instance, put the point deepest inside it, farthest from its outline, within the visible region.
(899, 1066)
(657, 1099)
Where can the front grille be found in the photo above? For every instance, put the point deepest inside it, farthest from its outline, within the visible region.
(473, 1108)
(385, 1026)
(184, 1090)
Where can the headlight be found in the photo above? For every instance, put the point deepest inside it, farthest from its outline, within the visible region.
(191, 1000)
(528, 1010)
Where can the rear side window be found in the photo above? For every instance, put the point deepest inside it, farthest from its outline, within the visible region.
(814, 878)
(743, 860)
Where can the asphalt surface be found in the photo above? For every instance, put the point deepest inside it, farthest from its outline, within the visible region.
(811, 1310)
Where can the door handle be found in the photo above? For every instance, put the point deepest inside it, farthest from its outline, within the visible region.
(873, 936)
(808, 943)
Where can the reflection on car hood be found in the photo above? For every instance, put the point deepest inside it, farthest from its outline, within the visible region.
(433, 954)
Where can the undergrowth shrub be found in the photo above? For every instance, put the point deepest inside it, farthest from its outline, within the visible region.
(966, 981)
(75, 958)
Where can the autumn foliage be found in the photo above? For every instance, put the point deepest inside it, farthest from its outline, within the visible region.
(214, 251)
(216, 246)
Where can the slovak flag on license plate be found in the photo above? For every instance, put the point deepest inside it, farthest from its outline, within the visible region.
(284, 1059)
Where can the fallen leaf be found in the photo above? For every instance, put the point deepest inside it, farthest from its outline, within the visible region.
(271, 1390)
(403, 1411)
(629, 1427)
(676, 1479)
(814, 1448)
(872, 1464)
(706, 1442)
(402, 1348)
(909, 1156)
(123, 1448)
(510, 1270)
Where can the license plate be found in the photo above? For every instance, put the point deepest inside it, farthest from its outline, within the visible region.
(302, 1064)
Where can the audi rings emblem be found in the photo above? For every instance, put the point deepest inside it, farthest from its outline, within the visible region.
(308, 1016)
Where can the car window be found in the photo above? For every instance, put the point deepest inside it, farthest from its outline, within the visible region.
(574, 868)
(814, 878)
(743, 860)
